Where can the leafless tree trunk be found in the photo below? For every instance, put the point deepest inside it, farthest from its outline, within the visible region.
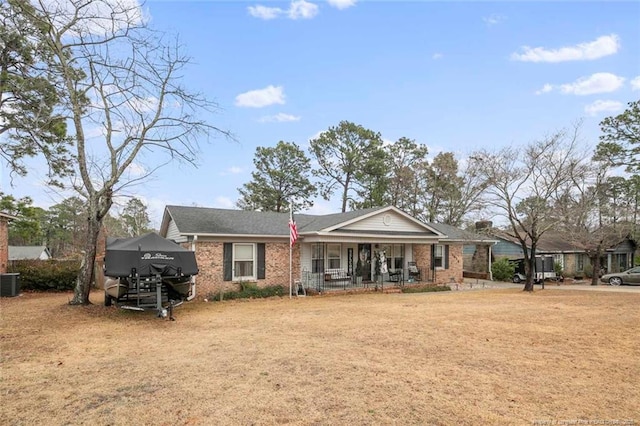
(523, 184)
(123, 82)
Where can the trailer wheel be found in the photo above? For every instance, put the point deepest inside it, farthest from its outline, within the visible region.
(107, 299)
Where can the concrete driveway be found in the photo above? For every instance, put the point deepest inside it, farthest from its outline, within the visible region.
(473, 284)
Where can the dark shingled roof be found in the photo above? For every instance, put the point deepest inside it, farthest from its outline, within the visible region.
(457, 234)
(555, 243)
(205, 220)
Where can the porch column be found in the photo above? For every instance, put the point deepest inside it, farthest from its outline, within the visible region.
(489, 262)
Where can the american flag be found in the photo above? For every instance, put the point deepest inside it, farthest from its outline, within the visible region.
(293, 231)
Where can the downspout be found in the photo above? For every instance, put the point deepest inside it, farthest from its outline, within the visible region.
(193, 277)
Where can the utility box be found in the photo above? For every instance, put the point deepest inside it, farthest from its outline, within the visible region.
(9, 285)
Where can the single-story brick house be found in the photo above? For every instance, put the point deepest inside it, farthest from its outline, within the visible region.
(234, 246)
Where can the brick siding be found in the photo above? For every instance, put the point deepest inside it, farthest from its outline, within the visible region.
(422, 257)
(209, 255)
(210, 279)
(454, 273)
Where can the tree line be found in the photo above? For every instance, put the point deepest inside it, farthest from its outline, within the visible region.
(355, 166)
(62, 227)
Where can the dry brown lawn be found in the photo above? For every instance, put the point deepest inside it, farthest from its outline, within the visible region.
(469, 358)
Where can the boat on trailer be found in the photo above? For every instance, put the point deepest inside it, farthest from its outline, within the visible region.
(148, 272)
(115, 287)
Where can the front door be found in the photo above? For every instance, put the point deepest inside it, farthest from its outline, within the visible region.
(364, 259)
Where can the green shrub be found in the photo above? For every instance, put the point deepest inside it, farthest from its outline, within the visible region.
(557, 268)
(425, 289)
(249, 291)
(588, 271)
(46, 275)
(502, 270)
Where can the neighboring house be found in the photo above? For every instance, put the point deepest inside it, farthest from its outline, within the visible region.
(4, 241)
(477, 248)
(29, 253)
(234, 246)
(621, 256)
(572, 258)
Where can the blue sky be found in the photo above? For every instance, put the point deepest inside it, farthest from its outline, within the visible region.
(456, 76)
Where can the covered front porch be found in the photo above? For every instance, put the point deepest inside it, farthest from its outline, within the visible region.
(330, 266)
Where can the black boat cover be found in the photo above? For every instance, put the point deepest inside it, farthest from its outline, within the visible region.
(149, 254)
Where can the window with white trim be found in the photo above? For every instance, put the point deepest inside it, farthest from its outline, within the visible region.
(395, 256)
(579, 262)
(559, 259)
(333, 256)
(244, 261)
(317, 258)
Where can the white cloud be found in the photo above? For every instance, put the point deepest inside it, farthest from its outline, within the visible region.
(261, 97)
(635, 83)
(545, 89)
(233, 170)
(601, 82)
(342, 4)
(436, 56)
(264, 12)
(600, 47)
(600, 106)
(301, 9)
(298, 9)
(279, 118)
(493, 19)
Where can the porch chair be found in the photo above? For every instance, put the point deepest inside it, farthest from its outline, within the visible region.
(414, 271)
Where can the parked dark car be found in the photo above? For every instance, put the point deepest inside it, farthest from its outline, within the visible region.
(630, 276)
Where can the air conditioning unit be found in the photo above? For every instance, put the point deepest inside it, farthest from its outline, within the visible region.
(9, 285)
